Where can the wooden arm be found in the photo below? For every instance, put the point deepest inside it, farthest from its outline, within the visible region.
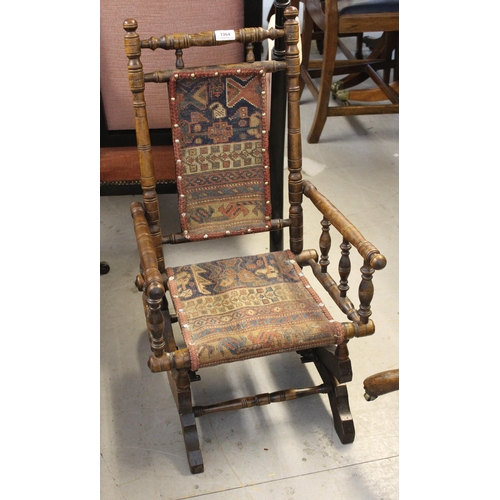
(381, 383)
(368, 251)
(152, 279)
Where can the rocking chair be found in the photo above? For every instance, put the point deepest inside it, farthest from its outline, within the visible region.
(245, 307)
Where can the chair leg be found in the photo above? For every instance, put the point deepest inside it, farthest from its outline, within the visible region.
(364, 95)
(323, 98)
(306, 38)
(333, 370)
(181, 390)
(378, 51)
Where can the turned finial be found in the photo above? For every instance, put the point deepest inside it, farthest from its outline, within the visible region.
(291, 12)
(378, 261)
(130, 25)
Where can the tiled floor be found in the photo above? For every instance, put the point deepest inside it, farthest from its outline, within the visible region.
(281, 451)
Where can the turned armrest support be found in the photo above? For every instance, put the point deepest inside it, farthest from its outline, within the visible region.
(368, 251)
(153, 283)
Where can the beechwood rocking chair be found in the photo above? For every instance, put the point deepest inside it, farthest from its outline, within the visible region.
(239, 308)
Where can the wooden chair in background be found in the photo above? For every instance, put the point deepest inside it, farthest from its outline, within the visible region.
(229, 310)
(338, 19)
(381, 383)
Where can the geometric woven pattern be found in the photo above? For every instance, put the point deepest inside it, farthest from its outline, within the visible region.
(246, 307)
(220, 138)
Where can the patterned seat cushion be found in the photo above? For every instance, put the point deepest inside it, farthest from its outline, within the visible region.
(246, 307)
(367, 6)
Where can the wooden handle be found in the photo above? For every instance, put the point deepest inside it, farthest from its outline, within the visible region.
(381, 383)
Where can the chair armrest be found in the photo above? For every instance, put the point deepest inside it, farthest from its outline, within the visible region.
(381, 383)
(152, 282)
(368, 251)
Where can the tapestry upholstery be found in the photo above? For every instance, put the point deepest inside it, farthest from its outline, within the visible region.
(247, 307)
(220, 134)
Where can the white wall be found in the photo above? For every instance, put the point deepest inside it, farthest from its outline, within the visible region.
(266, 7)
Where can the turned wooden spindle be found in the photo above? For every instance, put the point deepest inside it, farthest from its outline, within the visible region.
(210, 38)
(366, 291)
(179, 61)
(261, 400)
(155, 323)
(148, 181)
(342, 352)
(325, 243)
(294, 135)
(344, 267)
(250, 56)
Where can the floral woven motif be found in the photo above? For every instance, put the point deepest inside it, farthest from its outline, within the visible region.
(221, 150)
(246, 307)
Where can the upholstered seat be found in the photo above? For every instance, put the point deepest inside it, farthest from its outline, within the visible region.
(246, 307)
(367, 6)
